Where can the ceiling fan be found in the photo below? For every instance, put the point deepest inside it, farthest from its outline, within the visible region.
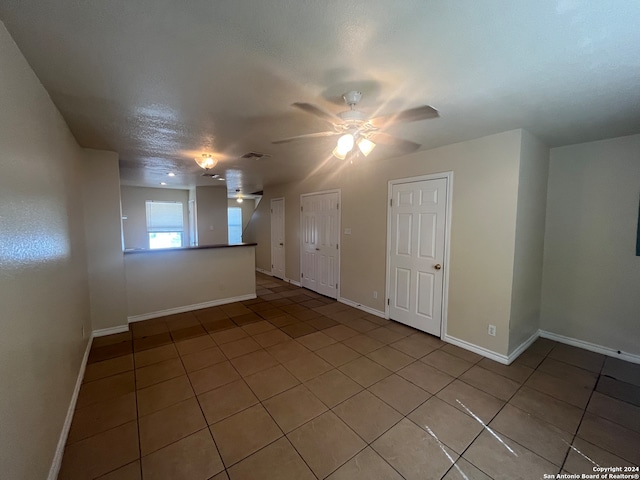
(355, 128)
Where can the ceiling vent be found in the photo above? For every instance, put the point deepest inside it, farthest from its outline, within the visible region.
(211, 175)
(256, 155)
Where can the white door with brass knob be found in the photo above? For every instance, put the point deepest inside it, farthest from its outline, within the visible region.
(417, 231)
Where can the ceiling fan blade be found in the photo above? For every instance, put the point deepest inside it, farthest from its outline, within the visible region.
(308, 135)
(386, 139)
(318, 112)
(411, 115)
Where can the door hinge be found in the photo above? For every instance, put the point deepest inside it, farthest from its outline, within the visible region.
(391, 202)
(301, 208)
(272, 210)
(337, 206)
(388, 302)
(336, 246)
(272, 265)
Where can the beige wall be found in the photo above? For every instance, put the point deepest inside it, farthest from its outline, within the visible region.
(44, 298)
(530, 223)
(212, 215)
(591, 274)
(160, 281)
(134, 208)
(103, 232)
(485, 183)
(247, 206)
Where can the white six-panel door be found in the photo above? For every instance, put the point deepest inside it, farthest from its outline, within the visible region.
(319, 263)
(277, 237)
(417, 224)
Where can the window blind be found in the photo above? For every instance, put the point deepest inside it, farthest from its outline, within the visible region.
(164, 217)
(234, 222)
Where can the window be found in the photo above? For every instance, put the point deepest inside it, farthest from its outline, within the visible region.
(165, 224)
(234, 219)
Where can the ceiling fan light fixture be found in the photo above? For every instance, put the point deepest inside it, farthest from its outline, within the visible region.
(366, 146)
(206, 161)
(338, 154)
(345, 145)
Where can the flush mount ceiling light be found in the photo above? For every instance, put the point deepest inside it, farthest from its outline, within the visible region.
(171, 174)
(206, 161)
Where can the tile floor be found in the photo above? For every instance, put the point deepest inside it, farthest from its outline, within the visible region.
(293, 385)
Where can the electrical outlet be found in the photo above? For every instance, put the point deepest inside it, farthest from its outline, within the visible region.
(375, 294)
(492, 330)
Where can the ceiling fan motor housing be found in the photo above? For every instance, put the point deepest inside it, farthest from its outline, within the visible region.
(352, 98)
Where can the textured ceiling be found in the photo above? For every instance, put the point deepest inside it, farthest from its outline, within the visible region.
(160, 81)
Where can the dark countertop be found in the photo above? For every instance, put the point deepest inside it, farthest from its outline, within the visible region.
(180, 249)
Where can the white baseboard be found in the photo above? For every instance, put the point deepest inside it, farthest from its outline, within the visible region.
(523, 346)
(477, 349)
(285, 279)
(262, 270)
(188, 308)
(364, 308)
(110, 331)
(592, 347)
(62, 441)
(293, 282)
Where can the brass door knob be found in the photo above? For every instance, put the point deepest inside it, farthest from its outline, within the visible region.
(282, 244)
(437, 266)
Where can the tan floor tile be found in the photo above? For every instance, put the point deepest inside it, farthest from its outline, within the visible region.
(128, 472)
(363, 344)
(100, 354)
(463, 470)
(155, 355)
(159, 372)
(184, 334)
(611, 437)
(462, 353)
(271, 381)
(145, 343)
(540, 437)
(617, 411)
(627, 392)
(322, 323)
(365, 371)
(428, 378)
(452, 427)
(178, 321)
(240, 347)
(194, 345)
(253, 362)
(401, 394)
(325, 443)
(194, 457)
(492, 383)
(340, 332)
(417, 345)
(260, 326)
(287, 351)
(295, 330)
(361, 325)
(101, 453)
(620, 370)
(390, 358)
(277, 461)
(272, 337)
(551, 410)
(170, 424)
(213, 377)
(454, 366)
(307, 366)
(228, 335)
(502, 458)
(105, 389)
(557, 387)
(517, 373)
(102, 416)
(316, 340)
(235, 309)
(578, 356)
(203, 359)
(279, 319)
(244, 433)
(583, 454)
(226, 401)
(337, 354)
(247, 319)
(542, 346)
(220, 476)
(210, 314)
(569, 373)
(401, 328)
(294, 407)
(161, 395)
(367, 415)
(367, 465)
(333, 387)
(214, 326)
(529, 359)
(384, 335)
(148, 328)
(461, 395)
(98, 370)
(412, 452)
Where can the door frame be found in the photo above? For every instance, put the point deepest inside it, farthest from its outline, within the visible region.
(448, 176)
(284, 259)
(301, 246)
